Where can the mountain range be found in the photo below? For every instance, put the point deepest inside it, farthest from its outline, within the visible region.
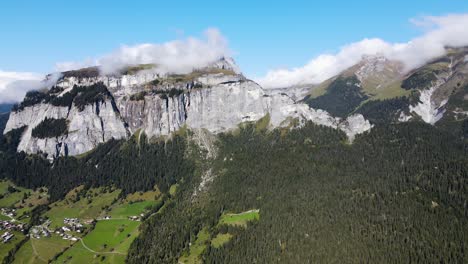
(218, 98)
(369, 166)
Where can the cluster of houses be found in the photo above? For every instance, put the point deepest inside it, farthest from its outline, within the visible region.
(40, 231)
(11, 225)
(71, 225)
(68, 237)
(135, 217)
(7, 236)
(10, 212)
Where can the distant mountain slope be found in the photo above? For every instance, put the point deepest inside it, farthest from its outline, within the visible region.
(3, 121)
(4, 115)
(5, 108)
(342, 96)
(378, 89)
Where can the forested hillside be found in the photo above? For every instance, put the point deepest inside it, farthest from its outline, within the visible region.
(397, 194)
(129, 165)
(257, 193)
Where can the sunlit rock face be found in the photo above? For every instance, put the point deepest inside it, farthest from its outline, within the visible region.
(214, 100)
(86, 128)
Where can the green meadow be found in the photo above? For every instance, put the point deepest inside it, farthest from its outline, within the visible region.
(197, 248)
(220, 240)
(6, 247)
(91, 206)
(107, 243)
(125, 210)
(240, 219)
(41, 250)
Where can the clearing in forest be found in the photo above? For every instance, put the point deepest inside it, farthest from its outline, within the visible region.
(240, 219)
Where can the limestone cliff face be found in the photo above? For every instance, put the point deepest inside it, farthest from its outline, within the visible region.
(216, 102)
(223, 107)
(96, 123)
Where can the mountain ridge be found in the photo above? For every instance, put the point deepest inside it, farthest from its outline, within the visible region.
(217, 98)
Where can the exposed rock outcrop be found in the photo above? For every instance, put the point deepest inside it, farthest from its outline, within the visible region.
(215, 101)
(97, 123)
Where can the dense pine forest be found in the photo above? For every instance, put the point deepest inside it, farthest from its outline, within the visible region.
(129, 165)
(397, 194)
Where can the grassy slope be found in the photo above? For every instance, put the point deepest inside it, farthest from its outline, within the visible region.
(197, 248)
(133, 209)
(203, 237)
(6, 247)
(392, 90)
(79, 254)
(111, 233)
(83, 209)
(41, 250)
(240, 219)
(220, 240)
(16, 199)
(146, 196)
(117, 233)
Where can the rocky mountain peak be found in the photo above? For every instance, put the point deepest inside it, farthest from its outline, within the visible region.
(377, 70)
(226, 63)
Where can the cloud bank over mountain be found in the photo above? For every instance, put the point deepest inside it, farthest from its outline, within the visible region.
(179, 56)
(439, 32)
(14, 85)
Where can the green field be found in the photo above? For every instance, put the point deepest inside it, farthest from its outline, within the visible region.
(391, 90)
(41, 250)
(6, 247)
(89, 207)
(78, 254)
(143, 196)
(12, 199)
(220, 240)
(4, 186)
(4, 217)
(240, 219)
(16, 200)
(109, 240)
(204, 238)
(112, 235)
(173, 189)
(197, 248)
(130, 209)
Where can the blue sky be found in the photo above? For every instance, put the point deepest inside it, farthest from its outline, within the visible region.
(263, 34)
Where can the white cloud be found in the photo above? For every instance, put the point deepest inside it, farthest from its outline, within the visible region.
(14, 85)
(74, 65)
(450, 30)
(177, 56)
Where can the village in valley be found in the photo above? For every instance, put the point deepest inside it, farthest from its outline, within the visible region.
(85, 225)
(10, 225)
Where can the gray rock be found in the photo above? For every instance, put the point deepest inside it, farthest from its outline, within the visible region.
(223, 102)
